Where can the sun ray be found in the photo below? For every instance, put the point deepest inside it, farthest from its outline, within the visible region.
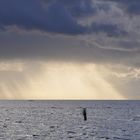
(70, 81)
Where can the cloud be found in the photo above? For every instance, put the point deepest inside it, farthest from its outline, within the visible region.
(105, 32)
(125, 79)
(109, 29)
(62, 49)
(77, 8)
(59, 20)
(132, 7)
(30, 15)
(54, 16)
(124, 72)
(11, 67)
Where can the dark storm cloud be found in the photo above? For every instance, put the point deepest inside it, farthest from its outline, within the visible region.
(77, 8)
(64, 17)
(52, 16)
(30, 14)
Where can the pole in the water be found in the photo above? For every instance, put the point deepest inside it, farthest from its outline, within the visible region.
(85, 114)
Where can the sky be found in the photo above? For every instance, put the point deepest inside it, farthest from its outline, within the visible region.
(69, 49)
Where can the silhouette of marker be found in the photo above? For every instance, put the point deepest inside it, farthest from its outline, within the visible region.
(84, 114)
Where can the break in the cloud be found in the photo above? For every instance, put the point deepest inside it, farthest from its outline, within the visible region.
(54, 80)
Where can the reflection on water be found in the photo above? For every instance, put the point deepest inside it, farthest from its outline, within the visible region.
(44, 120)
